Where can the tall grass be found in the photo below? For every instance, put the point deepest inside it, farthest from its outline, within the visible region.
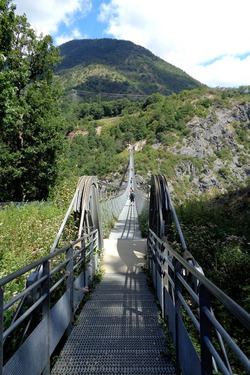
(27, 233)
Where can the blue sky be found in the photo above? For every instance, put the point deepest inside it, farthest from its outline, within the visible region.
(207, 39)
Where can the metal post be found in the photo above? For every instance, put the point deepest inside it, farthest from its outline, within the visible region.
(91, 263)
(205, 331)
(1, 331)
(93, 255)
(69, 285)
(97, 248)
(162, 282)
(83, 253)
(46, 313)
(178, 310)
(148, 253)
(154, 264)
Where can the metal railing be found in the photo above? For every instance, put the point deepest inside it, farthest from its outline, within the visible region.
(58, 279)
(188, 299)
(141, 198)
(52, 302)
(169, 270)
(110, 209)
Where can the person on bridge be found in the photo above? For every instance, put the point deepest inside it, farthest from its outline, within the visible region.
(132, 197)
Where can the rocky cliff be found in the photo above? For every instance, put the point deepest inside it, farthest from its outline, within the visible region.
(214, 155)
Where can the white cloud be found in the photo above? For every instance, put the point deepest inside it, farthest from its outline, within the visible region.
(230, 71)
(187, 33)
(63, 38)
(46, 15)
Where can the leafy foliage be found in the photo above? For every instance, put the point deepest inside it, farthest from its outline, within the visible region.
(31, 131)
(217, 235)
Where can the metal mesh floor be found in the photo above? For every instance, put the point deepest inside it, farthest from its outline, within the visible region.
(118, 332)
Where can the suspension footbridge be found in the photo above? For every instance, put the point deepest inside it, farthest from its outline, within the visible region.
(119, 330)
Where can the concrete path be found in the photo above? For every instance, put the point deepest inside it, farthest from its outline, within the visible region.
(124, 256)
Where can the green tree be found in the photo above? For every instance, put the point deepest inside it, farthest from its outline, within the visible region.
(96, 111)
(126, 124)
(7, 19)
(92, 138)
(31, 132)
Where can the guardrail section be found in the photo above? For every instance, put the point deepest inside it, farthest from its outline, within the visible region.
(187, 298)
(55, 289)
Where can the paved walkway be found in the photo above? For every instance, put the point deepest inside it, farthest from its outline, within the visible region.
(127, 226)
(118, 330)
(125, 250)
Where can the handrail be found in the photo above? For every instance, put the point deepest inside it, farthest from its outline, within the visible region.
(169, 282)
(74, 266)
(38, 262)
(228, 302)
(176, 220)
(85, 204)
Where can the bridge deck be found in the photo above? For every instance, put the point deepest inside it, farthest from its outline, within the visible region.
(118, 330)
(127, 226)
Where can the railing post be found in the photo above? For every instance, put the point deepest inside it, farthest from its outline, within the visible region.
(94, 255)
(162, 281)
(1, 331)
(83, 256)
(178, 310)
(89, 260)
(69, 285)
(157, 257)
(91, 263)
(96, 251)
(154, 263)
(205, 331)
(46, 313)
(149, 252)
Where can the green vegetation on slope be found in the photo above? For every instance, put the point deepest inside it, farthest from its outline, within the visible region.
(118, 67)
(106, 127)
(28, 230)
(216, 232)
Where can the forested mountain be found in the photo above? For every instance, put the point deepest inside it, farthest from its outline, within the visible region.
(111, 66)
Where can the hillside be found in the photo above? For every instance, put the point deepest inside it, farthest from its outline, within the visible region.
(114, 66)
(199, 139)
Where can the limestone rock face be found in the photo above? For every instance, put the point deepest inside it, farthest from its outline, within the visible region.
(212, 154)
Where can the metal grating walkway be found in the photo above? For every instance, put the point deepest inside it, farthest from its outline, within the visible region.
(118, 330)
(117, 333)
